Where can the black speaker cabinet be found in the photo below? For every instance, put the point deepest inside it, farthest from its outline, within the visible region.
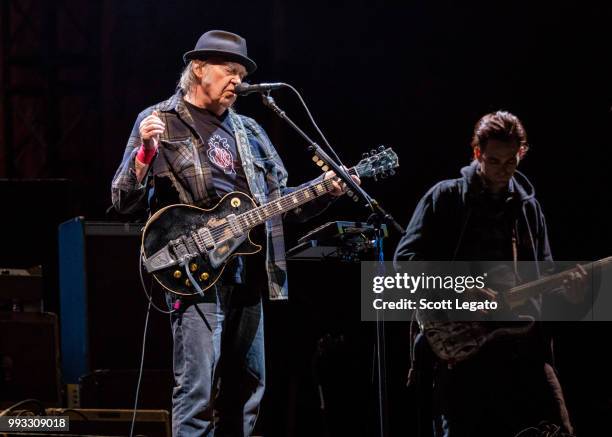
(103, 306)
(29, 358)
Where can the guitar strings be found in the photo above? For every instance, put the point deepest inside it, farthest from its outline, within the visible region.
(285, 202)
(220, 231)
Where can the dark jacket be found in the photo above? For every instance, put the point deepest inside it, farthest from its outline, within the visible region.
(437, 227)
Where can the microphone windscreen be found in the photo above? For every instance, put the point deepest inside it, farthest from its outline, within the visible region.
(241, 88)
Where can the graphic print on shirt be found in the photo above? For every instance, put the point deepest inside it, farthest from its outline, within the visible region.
(220, 154)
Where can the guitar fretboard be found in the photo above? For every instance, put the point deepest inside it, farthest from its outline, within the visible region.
(549, 283)
(259, 215)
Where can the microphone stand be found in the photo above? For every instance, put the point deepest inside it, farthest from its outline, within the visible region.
(376, 219)
(369, 202)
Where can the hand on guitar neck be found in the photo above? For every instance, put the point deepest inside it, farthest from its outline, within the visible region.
(339, 187)
(575, 284)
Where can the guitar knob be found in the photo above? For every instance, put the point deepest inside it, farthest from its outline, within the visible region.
(204, 276)
(177, 274)
(193, 267)
(320, 163)
(187, 282)
(315, 158)
(325, 168)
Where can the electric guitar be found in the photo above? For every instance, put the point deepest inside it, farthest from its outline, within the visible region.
(186, 248)
(457, 341)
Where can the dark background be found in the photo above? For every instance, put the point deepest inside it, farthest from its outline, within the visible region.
(412, 75)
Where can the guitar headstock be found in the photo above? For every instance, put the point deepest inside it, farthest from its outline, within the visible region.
(379, 162)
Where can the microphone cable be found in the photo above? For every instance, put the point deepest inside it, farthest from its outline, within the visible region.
(314, 123)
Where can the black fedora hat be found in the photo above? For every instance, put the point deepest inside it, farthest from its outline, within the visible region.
(224, 44)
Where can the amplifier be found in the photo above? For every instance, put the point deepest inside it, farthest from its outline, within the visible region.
(21, 289)
(103, 306)
(150, 423)
(29, 358)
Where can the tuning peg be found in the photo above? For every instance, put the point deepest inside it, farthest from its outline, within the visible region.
(381, 148)
(391, 172)
(375, 177)
(365, 155)
(383, 175)
(373, 152)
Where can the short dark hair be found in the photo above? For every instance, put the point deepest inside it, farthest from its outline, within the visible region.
(502, 126)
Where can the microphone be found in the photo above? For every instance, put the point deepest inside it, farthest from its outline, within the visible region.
(244, 88)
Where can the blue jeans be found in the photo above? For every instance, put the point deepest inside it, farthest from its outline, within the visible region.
(219, 367)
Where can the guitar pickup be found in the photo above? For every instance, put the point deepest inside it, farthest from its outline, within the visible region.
(234, 225)
(203, 239)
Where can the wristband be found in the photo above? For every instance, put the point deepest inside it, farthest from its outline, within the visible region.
(144, 155)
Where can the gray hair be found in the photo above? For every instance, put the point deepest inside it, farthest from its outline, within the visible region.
(188, 79)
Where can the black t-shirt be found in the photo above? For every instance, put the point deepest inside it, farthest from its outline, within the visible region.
(488, 235)
(228, 175)
(489, 232)
(221, 151)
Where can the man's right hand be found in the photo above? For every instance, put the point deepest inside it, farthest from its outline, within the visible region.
(150, 129)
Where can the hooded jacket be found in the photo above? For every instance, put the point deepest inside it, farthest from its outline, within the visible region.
(437, 228)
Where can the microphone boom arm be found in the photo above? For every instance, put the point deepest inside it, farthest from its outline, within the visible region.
(245, 88)
(370, 203)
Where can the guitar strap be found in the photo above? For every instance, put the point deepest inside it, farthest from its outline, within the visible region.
(246, 156)
(514, 203)
(515, 252)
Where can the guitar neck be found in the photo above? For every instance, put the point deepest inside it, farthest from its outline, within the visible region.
(288, 202)
(550, 283)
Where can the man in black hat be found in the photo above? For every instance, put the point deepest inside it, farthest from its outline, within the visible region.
(194, 148)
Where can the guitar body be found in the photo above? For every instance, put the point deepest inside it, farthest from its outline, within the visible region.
(454, 342)
(174, 221)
